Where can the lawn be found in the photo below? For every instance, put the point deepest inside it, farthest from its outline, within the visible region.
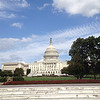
(44, 78)
(47, 78)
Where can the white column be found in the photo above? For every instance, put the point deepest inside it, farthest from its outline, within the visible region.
(39, 67)
(53, 66)
(46, 66)
(30, 67)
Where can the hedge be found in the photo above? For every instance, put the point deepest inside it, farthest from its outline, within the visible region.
(3, 79)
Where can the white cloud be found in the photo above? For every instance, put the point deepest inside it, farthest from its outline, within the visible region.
(44, 6)
(4, 14)
(18, 25)
(32, 48)
(13, 4)
(28, 39)
(87, 8)
(23, 3)
(7, 44)
(7, 7)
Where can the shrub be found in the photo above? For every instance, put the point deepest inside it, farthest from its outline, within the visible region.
(5, 73)
(3, 79)
(17, 78)
(19, 72)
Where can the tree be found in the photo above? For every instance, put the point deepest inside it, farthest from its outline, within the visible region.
(28, 71)
(6, 73)
(64, 70)
(76, 68)
(93, 54)
(86, 53)
(19, 72)
(0, 72)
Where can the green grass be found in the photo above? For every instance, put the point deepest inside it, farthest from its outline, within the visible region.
(47, 78)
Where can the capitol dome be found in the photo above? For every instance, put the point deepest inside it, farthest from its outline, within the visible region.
(51, 52)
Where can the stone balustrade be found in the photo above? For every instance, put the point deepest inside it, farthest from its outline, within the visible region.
(50, 93)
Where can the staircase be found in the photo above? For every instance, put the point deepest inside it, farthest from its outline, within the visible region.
(50, 93)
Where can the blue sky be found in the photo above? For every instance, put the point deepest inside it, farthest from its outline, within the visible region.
(27, 25)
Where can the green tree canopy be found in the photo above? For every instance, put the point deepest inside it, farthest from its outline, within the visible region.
(0, 72)
(6, 73)
(64, 70)
(18, 72)
(85, 55)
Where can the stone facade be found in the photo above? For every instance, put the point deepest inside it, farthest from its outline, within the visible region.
(51, 65)
(13, 66)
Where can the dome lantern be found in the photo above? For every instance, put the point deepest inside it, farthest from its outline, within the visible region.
(50, 41)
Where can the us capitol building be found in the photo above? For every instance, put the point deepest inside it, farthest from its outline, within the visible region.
(51, 65)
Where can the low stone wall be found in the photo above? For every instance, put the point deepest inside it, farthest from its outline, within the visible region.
(50, 93)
